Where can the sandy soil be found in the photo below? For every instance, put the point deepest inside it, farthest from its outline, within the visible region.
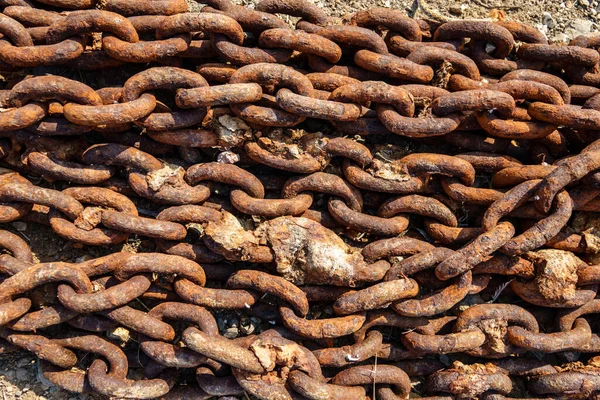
(20, 377)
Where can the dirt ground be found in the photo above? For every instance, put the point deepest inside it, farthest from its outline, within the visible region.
(20, 376)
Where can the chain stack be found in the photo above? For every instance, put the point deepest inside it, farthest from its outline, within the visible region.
(400, 207)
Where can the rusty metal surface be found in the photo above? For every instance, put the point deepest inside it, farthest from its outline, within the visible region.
(400, 209)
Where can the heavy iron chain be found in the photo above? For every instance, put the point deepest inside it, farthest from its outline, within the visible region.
(403, 207)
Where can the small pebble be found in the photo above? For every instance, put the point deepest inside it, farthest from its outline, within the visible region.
(119, 334)
(83, 258)
(231, 333)
(20, 226)
(246, 326)
(22, 374)
(23, 362)
(228, 157)
(455, 10)
(548, 20)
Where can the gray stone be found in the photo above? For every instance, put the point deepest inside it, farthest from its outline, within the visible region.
(20, 226)
(23, 362)
(581, 25)
(22, 374)
(231, 333)
(548, 20)
(456, 10)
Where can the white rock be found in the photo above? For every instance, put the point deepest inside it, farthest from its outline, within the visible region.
(542, 28)
(228, 157)
(561, 38)
(548, 20)
(156, 179)
(120, 334)
(582, 26)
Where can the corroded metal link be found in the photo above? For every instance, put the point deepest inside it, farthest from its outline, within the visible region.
(160, 7)
(221, 349)
(393, 66)
(362, 222)
(324, 183)
(39, 274)
(52, 87)
(338, 356)
(543, 230)
(116, 154)
(250, 20)
(193, 22)
(354, 36)
(314, 389)
(559, 54)
(108, 298)
(433, 56)
(78, 22)
(469, 380)
(383, 374)
(429, 163)
(393, 20)
(169, 78)
(269, 74)
(14, 31)
(110, 114)
(437, 302)
(273, 285)
(496, 34)
(34, 56)
(450, 343)
(296, 8)
(474, 100)
(218, 95)
(571, 170)
(143, 226)
(473, 253)
(307, 43)
(421, 205)
(399, 246)
(568, 115)
(48, 197)
(316, 108)
(579, 336)
(53, 169)
(541, 77)
(376, 296)
(322, 328)
(226, 173)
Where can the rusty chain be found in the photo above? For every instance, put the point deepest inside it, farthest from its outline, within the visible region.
(397, 207)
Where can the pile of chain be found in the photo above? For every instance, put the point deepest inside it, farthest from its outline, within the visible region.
(385, 206)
